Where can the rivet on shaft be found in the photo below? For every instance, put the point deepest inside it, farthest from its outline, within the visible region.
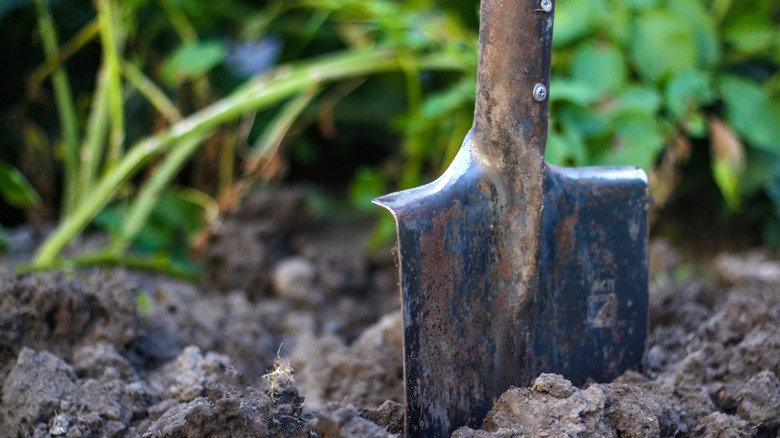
(540, 93)
(546, 5)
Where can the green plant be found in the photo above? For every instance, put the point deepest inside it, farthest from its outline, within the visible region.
(102, 167)
(640, 82)
(16, 191)
(635, 81)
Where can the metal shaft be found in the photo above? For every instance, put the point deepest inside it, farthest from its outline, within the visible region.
(515, 44)
(508, 139)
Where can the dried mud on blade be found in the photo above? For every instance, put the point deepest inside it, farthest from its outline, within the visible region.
(509, 266)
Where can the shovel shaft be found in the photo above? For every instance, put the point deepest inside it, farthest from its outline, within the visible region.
(515, 44)
(510, 267)
(470, 242)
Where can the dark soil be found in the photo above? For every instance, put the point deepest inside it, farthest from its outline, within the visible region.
(119, 353)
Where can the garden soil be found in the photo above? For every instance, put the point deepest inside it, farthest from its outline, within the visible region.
(297, 333)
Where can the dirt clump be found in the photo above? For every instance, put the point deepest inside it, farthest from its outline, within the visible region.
(182, 316)
(243, 249)
(553, 407)
(721, 425)
(227, 412)
(389, 415)
(42, 395)
(711, 366)
(335, 421)
(373, 365)
(56, 312)
(759, 400)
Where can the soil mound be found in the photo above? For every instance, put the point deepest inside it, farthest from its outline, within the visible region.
(117, 353)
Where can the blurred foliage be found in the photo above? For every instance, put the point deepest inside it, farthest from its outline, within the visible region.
(216, 89)
(635, 82)
(15, 188)
(648, 83)
(16, 191)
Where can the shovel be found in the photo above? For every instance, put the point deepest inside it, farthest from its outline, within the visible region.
(510, 266)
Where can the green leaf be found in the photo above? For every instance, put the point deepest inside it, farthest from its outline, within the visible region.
(566, 148)
(600, 68)
(728, 184)
(8, 6)
(752, 32)
(443, 104)
(638, 141)
(760, 168)
(727, 162)
(773, 189)
(662, 44)
(15, 189)
(110, 218)
(687, 91)
(614, 22)
(695, 124)
(5, 244)
(638, 100)
(193, 61)
(702, 25)
(573, 20)
(641, 5)
(576, 92)
(174, 220)
(179, 211)
(586, 121)
(752, 113)
(144, 301)
(366, 186)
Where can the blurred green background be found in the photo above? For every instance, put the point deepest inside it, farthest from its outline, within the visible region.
(151, 118)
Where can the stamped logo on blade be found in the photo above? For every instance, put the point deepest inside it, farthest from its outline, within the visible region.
(602, 310)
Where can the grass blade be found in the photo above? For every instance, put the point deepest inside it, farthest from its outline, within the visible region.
(49, 66)
(150, 91)
(109, 37)
(95, 139)
(142, 206)
(65, 106)
(263, 92)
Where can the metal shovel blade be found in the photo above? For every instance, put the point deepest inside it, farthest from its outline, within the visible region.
(509, 266)
(591, 307)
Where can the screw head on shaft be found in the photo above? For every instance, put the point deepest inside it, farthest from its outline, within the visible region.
(540, 92)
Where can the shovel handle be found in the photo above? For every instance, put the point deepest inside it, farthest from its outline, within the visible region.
(513, 78)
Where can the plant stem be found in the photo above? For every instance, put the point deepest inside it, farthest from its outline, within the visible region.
(94, 201)
(109, 36)
(181, 25)
(82, 37)
(97, 127)
(260, 93)
(142, 206)
(161, 264)
(271, 138)
(414, 144)
(266, 146)
(65, 107)
(150, 91)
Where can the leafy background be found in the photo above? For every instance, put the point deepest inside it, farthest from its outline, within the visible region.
(236, 94)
